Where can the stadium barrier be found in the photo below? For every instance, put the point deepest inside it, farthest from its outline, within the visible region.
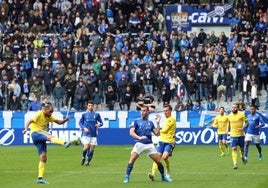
(193, 127)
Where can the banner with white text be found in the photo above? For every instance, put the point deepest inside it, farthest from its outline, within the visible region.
(193, 127)
(181, 17)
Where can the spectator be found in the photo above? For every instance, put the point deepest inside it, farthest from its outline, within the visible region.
(70, 86)
(263, 76)
(2, 95)
(36, 88)
(148, 80)
(139, 101)
(180, 106)
(261, 26)
(166, 95)
(127, 98)
(191, 88)
(181, 90)
(215, 82)
(71, 27)
(149, 101)
(90, 89)
(174, 79)
(58, 94)
(97, 99)
(189, 105)
(211, 106)
(198, 106)
(254, 95)
(24, 102)
(34, 104)
(122, 85)
(80, 96)
(245, 88)
(111, 98)
(13, 104)
(229, 83)
(241, 105)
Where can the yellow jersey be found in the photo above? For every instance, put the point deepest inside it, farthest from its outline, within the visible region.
(221, 122)
(236, 122)
(40, 121)
(167, 133)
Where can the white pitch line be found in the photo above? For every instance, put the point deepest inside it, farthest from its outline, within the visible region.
(173, 173)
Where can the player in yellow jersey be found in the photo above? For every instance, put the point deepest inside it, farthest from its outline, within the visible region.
(221, 123)
(166, 140)
(38, 125)
(237, 121)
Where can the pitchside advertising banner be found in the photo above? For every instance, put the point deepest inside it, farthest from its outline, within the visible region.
(180, 17)
(193, 127)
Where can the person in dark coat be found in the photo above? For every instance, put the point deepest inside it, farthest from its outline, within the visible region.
(127, 98)
(111, 98)
(229, 83)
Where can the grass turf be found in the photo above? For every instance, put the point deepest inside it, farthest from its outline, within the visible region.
(191, 166)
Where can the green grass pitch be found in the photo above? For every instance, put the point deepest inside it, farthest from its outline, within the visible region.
(191, 167)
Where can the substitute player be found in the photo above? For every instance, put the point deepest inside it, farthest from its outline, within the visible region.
(221, 123)
(141, 130)
(38, 125)
(166, 140)
(89, 124)
(255, 122)
(237, 121)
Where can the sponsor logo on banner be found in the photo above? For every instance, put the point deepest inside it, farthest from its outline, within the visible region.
(193, 127)
(7, 137)
(180, 17)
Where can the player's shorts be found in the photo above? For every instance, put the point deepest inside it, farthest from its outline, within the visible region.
(89, 140)
(238, 141)
(222, 136)
(164, 147)
(252, 137)
(147, 148)
(39, 139)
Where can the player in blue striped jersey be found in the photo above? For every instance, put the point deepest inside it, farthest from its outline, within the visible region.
(89, 124)
(255, 122)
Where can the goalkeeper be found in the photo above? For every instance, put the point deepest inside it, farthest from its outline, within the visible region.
(166, 141)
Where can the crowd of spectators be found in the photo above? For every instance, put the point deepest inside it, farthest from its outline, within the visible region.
(112, 51)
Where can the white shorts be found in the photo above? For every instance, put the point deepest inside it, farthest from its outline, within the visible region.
(252, 137)
(147, 148)
(89, 140)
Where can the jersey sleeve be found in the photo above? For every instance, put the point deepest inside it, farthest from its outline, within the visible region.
(81, 121)
(52, 118)
(99, 120)
(261, 121)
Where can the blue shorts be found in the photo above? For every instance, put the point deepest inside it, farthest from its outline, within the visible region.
(222, 137)
(238, 141)
(39, 140)
(164, 147)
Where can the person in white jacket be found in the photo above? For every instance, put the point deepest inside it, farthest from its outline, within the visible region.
(254, 94)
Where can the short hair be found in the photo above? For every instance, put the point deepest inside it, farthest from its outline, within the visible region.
(90, 102)
(147, 108)
(168, 106)
(253, 106)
